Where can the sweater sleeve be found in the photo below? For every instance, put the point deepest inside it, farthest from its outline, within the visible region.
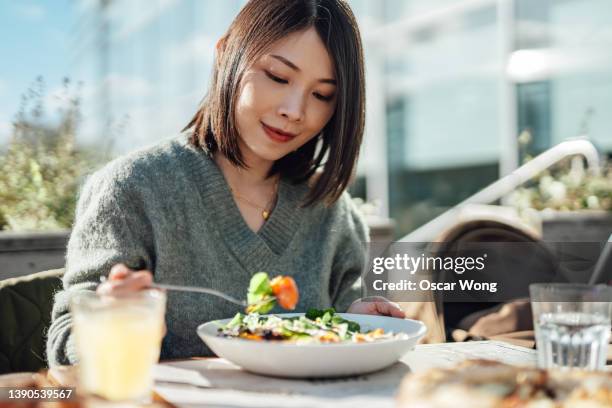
(110, 227)
(350, 257)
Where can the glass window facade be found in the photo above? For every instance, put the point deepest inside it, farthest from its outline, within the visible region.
(573, 95)
(451, 84)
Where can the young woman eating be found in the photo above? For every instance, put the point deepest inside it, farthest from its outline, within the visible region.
(255, 182)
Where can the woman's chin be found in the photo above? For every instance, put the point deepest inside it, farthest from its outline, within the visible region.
(269, 154)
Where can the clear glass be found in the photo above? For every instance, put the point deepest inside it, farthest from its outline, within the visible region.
(572, 324)
(118, 341)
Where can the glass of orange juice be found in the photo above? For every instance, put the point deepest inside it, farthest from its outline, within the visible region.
(118, 341)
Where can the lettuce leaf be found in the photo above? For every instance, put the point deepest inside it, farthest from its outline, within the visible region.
(260, 297)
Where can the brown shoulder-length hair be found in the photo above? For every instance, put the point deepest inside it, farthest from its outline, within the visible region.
(259, 24)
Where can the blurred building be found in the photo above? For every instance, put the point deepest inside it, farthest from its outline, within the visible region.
(451, 84)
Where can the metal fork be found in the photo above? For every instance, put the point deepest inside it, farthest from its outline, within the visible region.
(207, 291)
(193, 289)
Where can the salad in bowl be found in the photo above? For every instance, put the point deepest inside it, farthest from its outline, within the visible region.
(316, 326)
(319, 343)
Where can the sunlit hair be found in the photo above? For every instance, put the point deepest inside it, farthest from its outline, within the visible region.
(259, 24)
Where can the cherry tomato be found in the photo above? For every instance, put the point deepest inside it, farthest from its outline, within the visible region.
(286, 291)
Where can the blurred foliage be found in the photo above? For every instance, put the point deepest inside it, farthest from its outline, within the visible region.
(568, 186)
(41, 169)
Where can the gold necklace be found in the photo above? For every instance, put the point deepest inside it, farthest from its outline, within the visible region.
(265, 211)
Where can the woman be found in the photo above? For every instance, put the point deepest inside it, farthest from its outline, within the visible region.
(236, 193)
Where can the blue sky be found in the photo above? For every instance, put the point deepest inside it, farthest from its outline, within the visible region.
(56, 39)
(35, 40)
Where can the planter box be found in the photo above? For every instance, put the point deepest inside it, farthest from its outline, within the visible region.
(23, 253)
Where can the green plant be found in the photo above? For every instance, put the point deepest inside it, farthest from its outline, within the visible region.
(41, 169)
(568, 186)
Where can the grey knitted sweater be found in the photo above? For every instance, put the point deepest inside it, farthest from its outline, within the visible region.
(169, 209)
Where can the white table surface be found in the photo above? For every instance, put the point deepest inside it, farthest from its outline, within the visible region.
(218, 383)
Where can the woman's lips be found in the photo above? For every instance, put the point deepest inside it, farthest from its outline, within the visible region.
(277, 135)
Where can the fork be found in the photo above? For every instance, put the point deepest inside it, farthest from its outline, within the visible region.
(194, 289)
(207, 291)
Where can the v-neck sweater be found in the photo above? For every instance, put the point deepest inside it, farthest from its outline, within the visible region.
(169, 209)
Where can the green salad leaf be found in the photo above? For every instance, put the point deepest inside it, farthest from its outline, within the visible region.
(259, 286)
(236, 321)
(329, 318)
(260, 296)
(313, 313)
(322, 324)
(262, 307)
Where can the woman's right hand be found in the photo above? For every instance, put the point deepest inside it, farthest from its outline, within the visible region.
(122, 280)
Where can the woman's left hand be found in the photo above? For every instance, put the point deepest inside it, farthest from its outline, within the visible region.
(376, 305)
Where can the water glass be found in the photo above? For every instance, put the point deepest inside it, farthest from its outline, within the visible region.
(118, 341)
(572, 324)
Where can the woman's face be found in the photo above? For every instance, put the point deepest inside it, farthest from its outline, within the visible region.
(286, 97)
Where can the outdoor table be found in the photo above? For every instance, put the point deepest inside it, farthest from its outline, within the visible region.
(217, 382)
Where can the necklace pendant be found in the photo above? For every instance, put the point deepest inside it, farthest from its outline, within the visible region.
(265, 214)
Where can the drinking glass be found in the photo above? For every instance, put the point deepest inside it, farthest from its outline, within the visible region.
(118, 341)
(572, 324)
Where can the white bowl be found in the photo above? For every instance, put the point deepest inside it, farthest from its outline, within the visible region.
(281, 359)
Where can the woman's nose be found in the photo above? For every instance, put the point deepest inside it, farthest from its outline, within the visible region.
(292, 107)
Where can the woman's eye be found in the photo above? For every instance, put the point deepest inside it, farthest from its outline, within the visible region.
(275, 78)
(323, 97)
